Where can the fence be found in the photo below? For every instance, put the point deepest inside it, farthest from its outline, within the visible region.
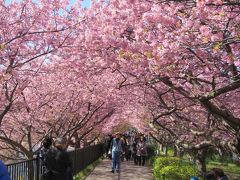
(32, 169)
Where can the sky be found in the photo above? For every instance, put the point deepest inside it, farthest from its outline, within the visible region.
(85, 3)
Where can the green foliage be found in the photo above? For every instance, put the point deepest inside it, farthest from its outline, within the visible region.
(151, 149)
(151, 160)
(170, 152)
(171, 168)
(162, 162)
(216, 157)
(178, 172)
(231, 170)
(224, 162)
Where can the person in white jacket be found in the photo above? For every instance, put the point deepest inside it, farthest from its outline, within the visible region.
(117, 149)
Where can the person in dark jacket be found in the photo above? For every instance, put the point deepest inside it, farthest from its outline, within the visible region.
(216, 174)
(124, 148)
(63, 168)
(129, 148)
(47, 155)
(56, 161)
(134, 150)
(3, 172)
(108, 146)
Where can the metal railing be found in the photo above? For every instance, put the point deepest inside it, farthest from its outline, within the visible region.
(25, 170)
(83, 157)
(32, 169)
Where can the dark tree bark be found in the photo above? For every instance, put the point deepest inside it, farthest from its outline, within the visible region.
(200, 159)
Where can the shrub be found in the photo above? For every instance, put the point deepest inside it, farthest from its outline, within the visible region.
(151, 149)
(178, 172)
(162, 162)
(171, 168)
(151, 160)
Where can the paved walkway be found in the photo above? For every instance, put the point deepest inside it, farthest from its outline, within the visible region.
(129, 171)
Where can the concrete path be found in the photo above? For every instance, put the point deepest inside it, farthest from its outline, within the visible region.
(129, 171)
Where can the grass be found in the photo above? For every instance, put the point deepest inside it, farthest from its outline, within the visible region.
(85, 172)
(231, 170)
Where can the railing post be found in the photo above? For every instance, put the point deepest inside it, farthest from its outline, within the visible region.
(75, 162)
(32, 169)
(38, 169)
(102, 148)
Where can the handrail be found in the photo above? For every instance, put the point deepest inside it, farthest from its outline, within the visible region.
(32, 169)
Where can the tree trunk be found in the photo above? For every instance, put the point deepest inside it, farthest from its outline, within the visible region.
(165, 150)
(175, 148)
(201, 164)
(77, 144)
(180, 152)
(201, 161)
(160, 148)
(238, 143)
(85, 143)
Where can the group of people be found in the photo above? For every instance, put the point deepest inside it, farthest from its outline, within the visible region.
(58, 165)
(56, 161)
(120, 147)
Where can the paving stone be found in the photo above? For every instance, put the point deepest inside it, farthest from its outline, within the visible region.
(129, 171)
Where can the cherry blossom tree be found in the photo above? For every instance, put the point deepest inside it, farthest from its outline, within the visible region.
(183, 50)
(170, 68)
(29, 33)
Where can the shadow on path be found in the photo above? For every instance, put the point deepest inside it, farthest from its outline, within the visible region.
(129, 171)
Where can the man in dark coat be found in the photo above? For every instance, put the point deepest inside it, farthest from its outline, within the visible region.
(63, 167)
(48, 156)
(57, 162)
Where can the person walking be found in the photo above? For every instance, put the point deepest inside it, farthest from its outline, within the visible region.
(48, 155)
(63, 167)
(129, 149)
(134, 150)
(124, 148)
(108, 146)
(141, 151)
(56, 161)
(3, 172)
(116, 147)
